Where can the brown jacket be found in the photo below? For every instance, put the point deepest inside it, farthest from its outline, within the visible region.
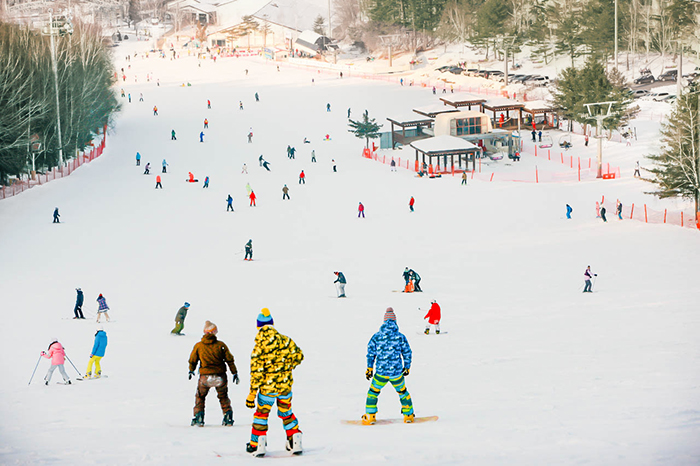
(212, 356)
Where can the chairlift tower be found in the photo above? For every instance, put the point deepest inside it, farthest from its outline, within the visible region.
(599, 117)
(389, 40)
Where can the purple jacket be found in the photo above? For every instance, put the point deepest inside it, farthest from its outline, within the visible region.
(102, 303)
(587, 274)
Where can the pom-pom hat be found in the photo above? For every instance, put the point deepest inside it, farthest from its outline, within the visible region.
(264, 318)
(210, 327)
(389, 314)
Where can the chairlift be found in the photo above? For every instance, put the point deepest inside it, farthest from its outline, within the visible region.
(546, 142)
(565, 142)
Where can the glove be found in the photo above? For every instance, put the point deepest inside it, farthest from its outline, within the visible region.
(406, 371)
(235, 378)
(250, 401)
(191, 375)
(595, 274)
(369, 373)
(43, 353)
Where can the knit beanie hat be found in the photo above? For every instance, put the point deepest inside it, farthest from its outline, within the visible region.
(264, 318)
(210, 327)
(187, 304)
(389, 314)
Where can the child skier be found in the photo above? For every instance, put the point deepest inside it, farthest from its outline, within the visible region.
(147, 171)
(248, 250)
(392, 353)
(158, 182)
(102, 307)
(568, 211)
(341, 282)
(206, 182)
(206, 123)
(180, 319)
(253, 197)
(587, 276)
(78, 310)
(244, 169)
(271, 363)
(97, 353)
(138, 159)
(302, 177)
(212, 356)
(57, 355)
(165, 167)
(433, 317)
(172, 136)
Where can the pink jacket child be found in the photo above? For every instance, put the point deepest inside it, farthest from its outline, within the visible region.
(57, 355)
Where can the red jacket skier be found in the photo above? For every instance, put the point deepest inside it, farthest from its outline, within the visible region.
(433, 317)
(360, 211)
(252, 198)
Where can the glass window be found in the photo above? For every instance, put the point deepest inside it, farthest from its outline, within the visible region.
(465, 126)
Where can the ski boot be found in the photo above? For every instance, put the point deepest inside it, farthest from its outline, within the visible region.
(198, 419)
(228, 419)
(293, 444)
(46, 382)
(369, 419)
(259, 450)
(88, 375)
(437, 332)
(408, 418)
(427, 331)
(98, 374)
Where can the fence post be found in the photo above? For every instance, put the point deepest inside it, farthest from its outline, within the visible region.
(681, 218)
(548, 155)
(535, 150)
(632, 212)
(491, 179)
(646, 219)
(665, 215)
(537, 176)
(571, 161)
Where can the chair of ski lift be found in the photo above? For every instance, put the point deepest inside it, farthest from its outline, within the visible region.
(565, 142)
(546, 142)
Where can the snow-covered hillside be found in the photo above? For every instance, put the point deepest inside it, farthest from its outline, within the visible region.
(531, 371)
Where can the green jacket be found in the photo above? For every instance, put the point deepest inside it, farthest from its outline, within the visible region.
(181, 314)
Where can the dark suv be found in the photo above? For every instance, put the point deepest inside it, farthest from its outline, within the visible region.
(670, 75)
(645, 79)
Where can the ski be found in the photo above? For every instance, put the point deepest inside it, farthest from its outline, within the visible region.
(432, 332)
(92, 378)
(381, 422)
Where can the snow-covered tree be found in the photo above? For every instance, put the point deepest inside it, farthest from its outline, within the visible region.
(365, 128)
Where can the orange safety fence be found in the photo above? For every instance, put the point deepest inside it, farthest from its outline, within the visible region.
(644, 213)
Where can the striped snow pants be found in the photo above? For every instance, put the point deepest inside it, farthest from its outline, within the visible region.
(399, 384)
(284, 411)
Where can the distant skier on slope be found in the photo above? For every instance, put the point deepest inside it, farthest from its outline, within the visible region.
(416, 280)
(180, 319)
(212, 356)
(390, 350)
(201, 136)
(568, 211)
(229, 204)
(138, 159)
(102, 307)
(285, 192)
(97, 353)
(252, 197)
(165, 167)
(588, 276)
(56, 216)
(79, 299)
(248, 251)
(433, 317)
(341, 282)
(147, 171)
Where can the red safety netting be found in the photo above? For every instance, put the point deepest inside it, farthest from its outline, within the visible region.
(644, 213)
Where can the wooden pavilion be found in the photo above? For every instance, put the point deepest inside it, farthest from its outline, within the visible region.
(537, 108)
(411, 125)
(499, 105)
(464, 99)
(432, 111)
(438, 149)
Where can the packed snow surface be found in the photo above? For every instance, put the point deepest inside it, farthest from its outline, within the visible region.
(531, 371)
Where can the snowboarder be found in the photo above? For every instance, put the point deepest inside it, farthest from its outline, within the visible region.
(392, 353)
(155, 110)
(261, 160)
(57, 355)
(464, 177)
(328, 107)
(253, 197)
(138, 159)
(335, 168)
(568, 211)
(206, 123)
(147, 170)
(244, 169)
(416, 280)
(56, 215)
(602, 214)
(302, 177)
(306, 141)
(341, 282)
(190, 178)
(102, 307)
(618, 211)
(229, 204)
(433, 317)
(271, 363)
(313, 155)
(201, 136)
(172, 136)
(209, 104)
(285, 192)
(180, 319)
(588, 276)
(266, 165)
(158, 184)
(361, 211)
(78, 310)
(206, 182)
(636, 170)
(248, 250)
(257, 99)
(250, 137)
(97, 353)
(165, 167)
(411, 203)
(212, 356)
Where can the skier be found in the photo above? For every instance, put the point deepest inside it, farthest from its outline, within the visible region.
(433, 317)
(539, 136)
(328, 107)
(602, 214)
(341, 282)
(313, 155)
(138, 159)
(619, 210)
(78, 310)
(97, 353)
(253, 197)
(248, 250)
(141, 97)
(201, 136)
(206, 182)
(212, 356)
(407, 278)
(250, 137)
(568, 211)
(248, 188)
(57, 355)
(636, 170)
(158, 184)
(206, 123)
(180, 319)
(534, 136)
(261, 160)
(285, 192)
(209, 104)
(292, 151)
(335, 168)
(147, 171)
(266, 165)
(585, 140)
(172, 136)
(393, 165)
(244, 169)
(129, 97)
(416, 280)
(257, 99)
(360, 210)
(229, 203)
(271, 363)
(587, 276)
(410, 204)
(165, 167)
(302, 177)
(102, 307)
(155, 110)
(392, 353)
(240, 105)
(464, 177)
(348, 113)
(597, 209)
(56, 215)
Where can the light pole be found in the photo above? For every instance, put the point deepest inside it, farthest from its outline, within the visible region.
(55, 83)
(599, 129)
(615, 34)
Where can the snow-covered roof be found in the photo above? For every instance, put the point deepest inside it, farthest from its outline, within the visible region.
(443, 144)
(502, 102)
(293, 14)
(463, 97)
(408, 117)
(538, 106)
(434, 109)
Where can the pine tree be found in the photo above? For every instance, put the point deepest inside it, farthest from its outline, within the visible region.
(365, 129)
(677, 168)
(320, 25)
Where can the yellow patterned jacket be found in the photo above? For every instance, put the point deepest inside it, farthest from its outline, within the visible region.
(271, 363)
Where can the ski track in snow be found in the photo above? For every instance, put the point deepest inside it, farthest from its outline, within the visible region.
(532, 372)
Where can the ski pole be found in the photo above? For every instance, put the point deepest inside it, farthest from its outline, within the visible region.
(35, 367)
(71, 363)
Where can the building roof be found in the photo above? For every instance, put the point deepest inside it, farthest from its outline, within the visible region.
(538, 106)
(502, 103)
(443, 144)
(463, 98)
(434, 109)
(409, 119)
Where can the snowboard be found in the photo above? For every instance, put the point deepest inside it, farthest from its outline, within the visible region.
(279, 454)
(92, 378)
(177, 334)
(432, 332)
(381, 422)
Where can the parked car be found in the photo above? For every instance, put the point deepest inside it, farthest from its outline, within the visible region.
(455, 70)
(640, 93)
(670, 75)
(540, 81)
(442, 69)
(645, 79)
(471, 72)
(523, 78)
(496, 74)
(659, 96)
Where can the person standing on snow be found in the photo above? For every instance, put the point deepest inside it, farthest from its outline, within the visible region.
(302, 177)
(158, 184)
(257, 98)
(348, 113)
(180, 319)
(341, 282)
(433, 317)
(57, 355)
(273, 358)
(147, 171)
(588, 276)
(261, 160)
(201, 136)
(56, 215)
(285, 192)
(155, 110)
(390, 350)
(212, 355)
(393, 165)
(464, 177)
(138, 158)
(252, 197)
(165, 167)
(568, 211)
(416, 280)
(361, 210)
(636, 170)
(248, 250)
(206, 123)
(407, 276)
(313, 155)
(618, 211)
(335, 167)
(102, 307)
(244, 169)
(292, 152)
(240, 105)
(78, 310)
(206, 182)
(229, 203)
(209, 104)
(97, 353)
(250, 137)
(328, 107)
(410, 204)
(602, 214)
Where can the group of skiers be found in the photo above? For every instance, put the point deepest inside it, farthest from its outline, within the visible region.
(412, 280)
(57, 354)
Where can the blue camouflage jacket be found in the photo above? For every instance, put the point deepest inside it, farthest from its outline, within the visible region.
(390, 349)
